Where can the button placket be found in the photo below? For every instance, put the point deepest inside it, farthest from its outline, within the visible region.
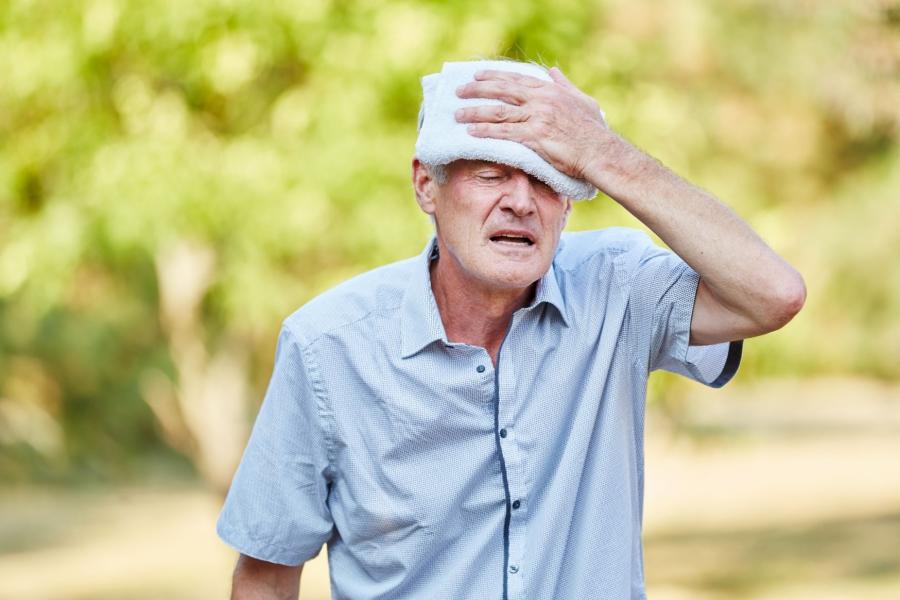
(510, 404)
(519, 489)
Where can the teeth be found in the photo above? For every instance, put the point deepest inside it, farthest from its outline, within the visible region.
(511, 238)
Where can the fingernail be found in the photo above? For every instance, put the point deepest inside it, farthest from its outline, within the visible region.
(459, 114)
(460, 89)
(479, 74)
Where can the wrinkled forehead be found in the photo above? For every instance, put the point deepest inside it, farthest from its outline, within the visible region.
(443, 140)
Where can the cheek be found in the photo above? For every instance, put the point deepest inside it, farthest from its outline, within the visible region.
(465, 220)
(556, 219)
(459, 229)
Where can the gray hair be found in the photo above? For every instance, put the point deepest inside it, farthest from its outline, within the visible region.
(438, 173)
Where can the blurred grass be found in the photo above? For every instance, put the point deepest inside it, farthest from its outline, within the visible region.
(743, 563)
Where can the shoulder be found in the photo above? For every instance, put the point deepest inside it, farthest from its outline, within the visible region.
(619, 248)
(375, 293)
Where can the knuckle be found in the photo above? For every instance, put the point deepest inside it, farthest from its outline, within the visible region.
(511, 97)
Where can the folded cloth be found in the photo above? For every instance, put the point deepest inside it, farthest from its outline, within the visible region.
(442, 139)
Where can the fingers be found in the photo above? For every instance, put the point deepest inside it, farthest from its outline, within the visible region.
(501, 90)
(516, 132)
(557, 75)
(524, 80)
(500, 113)
(512, 88)
(504, 131)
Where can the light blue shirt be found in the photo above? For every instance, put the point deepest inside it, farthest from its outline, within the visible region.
(429, 473)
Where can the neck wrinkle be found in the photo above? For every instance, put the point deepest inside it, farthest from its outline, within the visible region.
(475, 315)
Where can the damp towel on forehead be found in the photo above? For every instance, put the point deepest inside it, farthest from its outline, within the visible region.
(442, 139)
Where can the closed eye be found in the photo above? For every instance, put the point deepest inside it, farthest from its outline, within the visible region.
(490, 176)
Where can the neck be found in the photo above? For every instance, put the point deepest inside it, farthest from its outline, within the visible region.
(473, 313)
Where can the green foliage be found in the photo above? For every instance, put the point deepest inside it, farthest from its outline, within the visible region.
(278, 135)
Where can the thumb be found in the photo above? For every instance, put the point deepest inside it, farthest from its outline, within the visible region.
(557, 76)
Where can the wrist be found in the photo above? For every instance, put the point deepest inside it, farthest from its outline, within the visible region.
(615, 162)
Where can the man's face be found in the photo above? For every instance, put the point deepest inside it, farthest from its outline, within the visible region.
(499, 225)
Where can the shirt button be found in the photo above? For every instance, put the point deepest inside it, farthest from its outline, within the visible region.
(480, 368)
(516, 504)
(513, 569)
(503, 433)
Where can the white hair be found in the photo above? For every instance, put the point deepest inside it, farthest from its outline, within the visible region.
(438, 173)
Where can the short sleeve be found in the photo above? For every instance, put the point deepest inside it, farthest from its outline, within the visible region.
(276, 509)
(662, 299)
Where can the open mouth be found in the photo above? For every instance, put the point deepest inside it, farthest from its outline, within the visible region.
(512, 239)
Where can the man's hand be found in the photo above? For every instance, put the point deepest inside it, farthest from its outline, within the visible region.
(554, 118)
(746, 289)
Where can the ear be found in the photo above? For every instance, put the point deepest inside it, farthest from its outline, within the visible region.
(425, 187)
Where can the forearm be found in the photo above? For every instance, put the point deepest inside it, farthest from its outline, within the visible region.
(259, 580)
(734, 263)
(746, 289)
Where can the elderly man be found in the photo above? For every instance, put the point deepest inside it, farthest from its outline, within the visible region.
(469, 423)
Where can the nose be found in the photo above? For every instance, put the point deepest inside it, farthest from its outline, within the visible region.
(519, 195)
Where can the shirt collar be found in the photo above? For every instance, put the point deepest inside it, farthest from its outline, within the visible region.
(548, 291)
(420, 320)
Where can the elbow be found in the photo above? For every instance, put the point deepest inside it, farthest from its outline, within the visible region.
(792, 299)
(785, 297)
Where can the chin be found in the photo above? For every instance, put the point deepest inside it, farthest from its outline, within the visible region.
(516, 277)
(513, 266)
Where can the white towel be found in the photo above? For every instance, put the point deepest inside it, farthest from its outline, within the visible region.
(442, 140)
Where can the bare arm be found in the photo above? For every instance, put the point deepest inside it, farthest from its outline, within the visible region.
(746, 289)
(255, 579)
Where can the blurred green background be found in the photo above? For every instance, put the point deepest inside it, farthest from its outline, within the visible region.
(177, 177)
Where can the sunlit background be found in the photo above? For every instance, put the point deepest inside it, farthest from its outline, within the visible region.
(176, 177)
